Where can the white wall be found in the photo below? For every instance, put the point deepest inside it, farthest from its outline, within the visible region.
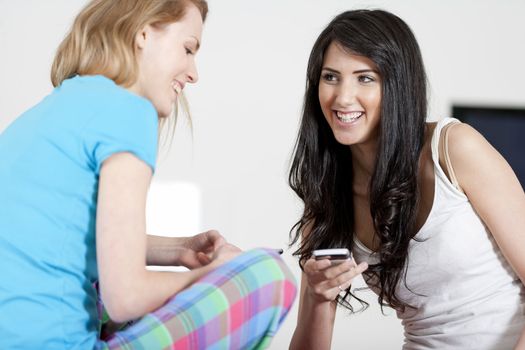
(246, 106)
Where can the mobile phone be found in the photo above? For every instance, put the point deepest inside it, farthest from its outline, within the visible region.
(336, 255)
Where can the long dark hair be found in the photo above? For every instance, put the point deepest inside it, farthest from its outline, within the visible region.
(321, 171)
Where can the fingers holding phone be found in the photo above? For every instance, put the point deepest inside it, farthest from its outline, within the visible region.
(330, 272)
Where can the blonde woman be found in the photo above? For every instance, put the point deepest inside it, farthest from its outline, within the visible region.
(75, 171)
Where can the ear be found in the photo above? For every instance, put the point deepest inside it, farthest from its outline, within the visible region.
(141, 37)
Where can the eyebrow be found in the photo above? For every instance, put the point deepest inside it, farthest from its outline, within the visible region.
(354, 72)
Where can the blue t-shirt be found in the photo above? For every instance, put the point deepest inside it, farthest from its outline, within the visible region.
(50, 158)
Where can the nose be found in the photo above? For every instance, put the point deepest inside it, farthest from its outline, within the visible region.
(346, 94)
(192, 74)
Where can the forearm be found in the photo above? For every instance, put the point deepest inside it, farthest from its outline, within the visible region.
(314, 325)
(149, 290)
(162, 251)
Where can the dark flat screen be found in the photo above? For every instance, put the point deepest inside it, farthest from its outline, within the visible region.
(504, 128)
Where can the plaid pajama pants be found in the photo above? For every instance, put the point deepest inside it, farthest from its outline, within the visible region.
(240, 305)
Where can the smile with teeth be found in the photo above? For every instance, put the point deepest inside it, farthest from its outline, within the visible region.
(176, 87)
(348, 117)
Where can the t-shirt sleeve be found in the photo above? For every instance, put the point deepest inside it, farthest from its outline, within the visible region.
(129, 125)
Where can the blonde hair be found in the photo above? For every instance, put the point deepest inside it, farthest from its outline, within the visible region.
(102, 38)
(102, 41)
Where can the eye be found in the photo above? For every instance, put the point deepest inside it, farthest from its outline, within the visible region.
(329, 77)
(189, 51)
(365, 79)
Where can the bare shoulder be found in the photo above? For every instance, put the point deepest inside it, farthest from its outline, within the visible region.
(463, 138)
(468, 148)
(473, 158)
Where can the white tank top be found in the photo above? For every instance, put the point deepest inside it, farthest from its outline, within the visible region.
(468, 296)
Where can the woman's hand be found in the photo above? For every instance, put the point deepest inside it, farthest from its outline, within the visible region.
(326, 280)
(200, 249)
(191, 252)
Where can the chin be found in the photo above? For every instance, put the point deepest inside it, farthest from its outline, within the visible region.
(165, 112)
(345, 143)
(345, 140)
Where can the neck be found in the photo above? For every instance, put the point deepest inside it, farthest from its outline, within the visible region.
(364, 159)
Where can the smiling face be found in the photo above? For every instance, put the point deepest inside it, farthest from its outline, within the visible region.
(350, 96)
(166, 60)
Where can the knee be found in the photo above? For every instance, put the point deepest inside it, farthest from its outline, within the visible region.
(270, 268)
(257, 273)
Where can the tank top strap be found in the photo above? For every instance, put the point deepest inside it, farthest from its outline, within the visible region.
(440, 174)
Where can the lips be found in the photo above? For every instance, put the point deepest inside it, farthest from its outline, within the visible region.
(348, 117)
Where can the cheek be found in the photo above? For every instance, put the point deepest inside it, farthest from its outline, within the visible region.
(325, 99)
(373, 101)
(179, 63)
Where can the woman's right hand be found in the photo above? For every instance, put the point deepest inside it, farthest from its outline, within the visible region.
(198, 250)
(326, 280)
